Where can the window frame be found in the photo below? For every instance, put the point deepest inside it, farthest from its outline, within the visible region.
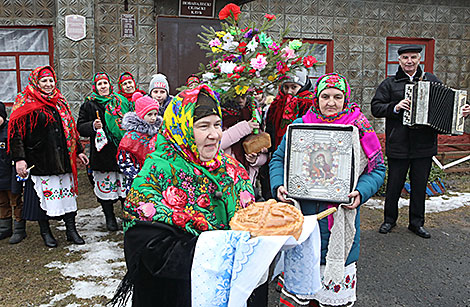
(17, 55)
(329, 51)
(428, 42)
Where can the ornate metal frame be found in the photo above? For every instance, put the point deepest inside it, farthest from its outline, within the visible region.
(319, 162)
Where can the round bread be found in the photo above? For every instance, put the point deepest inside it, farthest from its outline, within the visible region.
(269, 218)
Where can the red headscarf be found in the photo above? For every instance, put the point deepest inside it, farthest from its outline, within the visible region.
(285, 109)
(128, 76)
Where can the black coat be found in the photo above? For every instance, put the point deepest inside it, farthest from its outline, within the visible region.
(104, 160)
(8, 180)
(402, 142)
(45, 146)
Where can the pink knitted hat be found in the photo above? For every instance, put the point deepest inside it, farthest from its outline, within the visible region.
(144, 104)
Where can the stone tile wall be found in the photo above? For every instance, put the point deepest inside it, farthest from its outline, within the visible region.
(359, 29)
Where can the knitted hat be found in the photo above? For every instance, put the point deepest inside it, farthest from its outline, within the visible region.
(298, 76)
(159, 81)
(144, 104)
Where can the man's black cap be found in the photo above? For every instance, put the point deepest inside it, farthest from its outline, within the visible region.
(409, 48)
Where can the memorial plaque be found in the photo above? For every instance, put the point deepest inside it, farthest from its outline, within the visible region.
(75, 27)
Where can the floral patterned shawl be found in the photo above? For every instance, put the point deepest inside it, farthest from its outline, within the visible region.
(175, 187)
(31, 102)
(115, 108)
(285, 109)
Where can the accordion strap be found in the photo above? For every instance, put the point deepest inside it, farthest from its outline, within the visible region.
(423, 76)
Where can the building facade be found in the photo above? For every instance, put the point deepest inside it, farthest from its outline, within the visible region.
(359, 37)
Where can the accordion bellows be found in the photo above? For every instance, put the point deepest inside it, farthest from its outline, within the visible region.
(269, 218)
(436, 105)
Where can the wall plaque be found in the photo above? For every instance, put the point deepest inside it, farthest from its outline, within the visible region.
(75, 27)
(127, 25)
(199, 8)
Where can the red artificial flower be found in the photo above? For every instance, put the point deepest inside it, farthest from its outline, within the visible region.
(309, 61)
(233, 76)
(252, 71)
(239, 69)
(229, 9)
(270, 16)
(297, 60)
(242, 47)
(282, 68)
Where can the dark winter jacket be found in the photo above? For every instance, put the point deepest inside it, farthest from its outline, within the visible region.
(7, 170)
(165, 104)
(403, 142)
(104, 160)
(367, 185)
(45, 146)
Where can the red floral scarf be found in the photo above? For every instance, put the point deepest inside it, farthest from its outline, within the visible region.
(31, 102)
(285, 109)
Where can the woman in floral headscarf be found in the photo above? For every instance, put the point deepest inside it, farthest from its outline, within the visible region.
(44, 143)
(186, 186)
(127, 87)
(104, 109)
(332, 105)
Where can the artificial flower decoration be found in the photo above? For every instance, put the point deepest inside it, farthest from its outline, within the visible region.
(230, 10)
(245, 58)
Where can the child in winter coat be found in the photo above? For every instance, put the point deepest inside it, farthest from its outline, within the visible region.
(237, 124)
(159, 90)
(141, 126)
(10, 190)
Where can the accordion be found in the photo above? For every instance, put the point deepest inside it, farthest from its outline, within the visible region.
(436, 105)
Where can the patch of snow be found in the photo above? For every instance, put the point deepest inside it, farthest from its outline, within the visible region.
(102, 264)
(433, 204)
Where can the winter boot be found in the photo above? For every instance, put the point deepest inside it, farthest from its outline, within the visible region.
(5, 228)
(108, 209)
(19, 232)
(46, 233)
(71, 230)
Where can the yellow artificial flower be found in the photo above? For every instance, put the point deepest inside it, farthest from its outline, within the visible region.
(241, 90)
(272, 78)
(216, 49)
(220, 34)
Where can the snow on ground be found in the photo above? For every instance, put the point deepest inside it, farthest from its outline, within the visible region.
(433, 204)
(102, 265)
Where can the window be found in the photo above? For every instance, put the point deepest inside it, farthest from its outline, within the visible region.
(427, 55)
(22, 49)
(323, 51)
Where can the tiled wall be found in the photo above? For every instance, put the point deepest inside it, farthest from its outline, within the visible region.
(359, 29)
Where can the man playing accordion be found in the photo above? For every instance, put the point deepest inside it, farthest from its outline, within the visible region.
(406, 147)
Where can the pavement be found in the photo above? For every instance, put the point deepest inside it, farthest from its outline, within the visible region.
(402, 269)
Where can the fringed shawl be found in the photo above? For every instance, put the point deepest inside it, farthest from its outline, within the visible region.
(175, 187)
(33, 101)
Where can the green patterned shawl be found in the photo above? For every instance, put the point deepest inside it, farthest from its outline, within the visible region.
(176, 188)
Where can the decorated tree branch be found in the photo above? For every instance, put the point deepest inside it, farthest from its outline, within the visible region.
(246, 58)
